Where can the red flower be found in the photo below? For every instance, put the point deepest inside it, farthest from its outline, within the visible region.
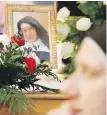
(14, 38)
(18, 40)
(31, 64)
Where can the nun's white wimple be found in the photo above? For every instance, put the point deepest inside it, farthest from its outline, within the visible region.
(23, 25)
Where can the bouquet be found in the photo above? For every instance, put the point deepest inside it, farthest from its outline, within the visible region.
(18, 72)
(72, 29)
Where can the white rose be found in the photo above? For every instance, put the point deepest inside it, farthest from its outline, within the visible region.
(5, 40)
(82, 2)
(63, 14)
(67, 49)
(63, 29)
(83, 24)
(104, 2)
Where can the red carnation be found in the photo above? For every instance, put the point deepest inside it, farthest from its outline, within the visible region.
(31, 64)
(18, 40)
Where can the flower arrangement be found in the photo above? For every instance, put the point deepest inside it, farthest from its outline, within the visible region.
(72, 29)
(19, 72)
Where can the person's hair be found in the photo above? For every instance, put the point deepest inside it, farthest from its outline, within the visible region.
(99, 35)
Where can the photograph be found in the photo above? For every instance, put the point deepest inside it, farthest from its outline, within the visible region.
(35, 24)
(34, 34)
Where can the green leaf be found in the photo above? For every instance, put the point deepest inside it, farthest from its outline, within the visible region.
(17, 52)
(11, 104)
(98, 22)
(20, 105)
(14, 47)
(2, 57)
(76, 40)
(100, 4)
(89, 8)
(14, 108)
(1, 90)
(3, 96)
(13, 58)
(60, 37)
(72, 24)
(73, 31)
(72, 20)
(9, 95)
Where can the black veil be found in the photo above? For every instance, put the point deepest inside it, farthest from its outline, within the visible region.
(42, 33)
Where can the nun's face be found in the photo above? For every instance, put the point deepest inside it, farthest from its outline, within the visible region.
(87, 85)
(88, 96)
(29, 34)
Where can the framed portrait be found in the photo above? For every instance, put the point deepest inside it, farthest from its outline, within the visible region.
(41, 17)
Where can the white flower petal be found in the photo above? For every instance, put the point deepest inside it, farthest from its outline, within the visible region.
(83, 24)
(63, 14)
(67, 49)
(63, 29)
(104, 2)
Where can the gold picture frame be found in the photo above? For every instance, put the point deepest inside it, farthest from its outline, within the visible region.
(42, 9)
(52, 11)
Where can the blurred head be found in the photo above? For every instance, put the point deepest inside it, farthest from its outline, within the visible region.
(29, 32)
(87, 85)
(88, 95)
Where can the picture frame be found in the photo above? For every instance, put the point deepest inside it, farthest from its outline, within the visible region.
(14, 13)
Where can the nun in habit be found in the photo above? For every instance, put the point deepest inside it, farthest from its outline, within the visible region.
(36, 38)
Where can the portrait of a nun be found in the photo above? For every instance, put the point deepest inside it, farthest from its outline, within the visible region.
(36, 38)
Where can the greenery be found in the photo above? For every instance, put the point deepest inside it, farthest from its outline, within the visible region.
(93, 10)
(96, 10)
(15, 100)
(13, 70)
(15, 77)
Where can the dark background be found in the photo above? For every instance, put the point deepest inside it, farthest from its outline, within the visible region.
(72, 6)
